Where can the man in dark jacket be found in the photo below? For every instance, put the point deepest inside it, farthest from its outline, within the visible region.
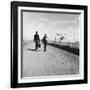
(36, 40)
(45, 42)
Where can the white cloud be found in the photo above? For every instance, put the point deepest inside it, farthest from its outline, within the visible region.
(55, 23)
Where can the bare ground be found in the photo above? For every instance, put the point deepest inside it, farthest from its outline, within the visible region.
(52, 62)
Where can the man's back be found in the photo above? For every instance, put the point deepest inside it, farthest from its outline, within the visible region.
(36, 37)
(45, 40)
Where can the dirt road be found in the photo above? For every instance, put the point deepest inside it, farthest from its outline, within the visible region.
(52, 62)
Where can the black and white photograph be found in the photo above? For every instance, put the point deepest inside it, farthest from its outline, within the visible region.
(50, 44)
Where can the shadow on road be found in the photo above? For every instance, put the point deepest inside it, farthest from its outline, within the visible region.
(31, 49)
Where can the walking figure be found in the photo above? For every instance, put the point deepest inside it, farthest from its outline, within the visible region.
(45, 42)
(36, 40)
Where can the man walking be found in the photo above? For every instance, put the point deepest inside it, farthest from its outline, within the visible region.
(36, 40)
(45, 42)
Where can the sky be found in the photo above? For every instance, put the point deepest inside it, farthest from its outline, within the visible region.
(50, 24)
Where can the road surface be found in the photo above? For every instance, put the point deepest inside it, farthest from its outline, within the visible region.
(52, 62)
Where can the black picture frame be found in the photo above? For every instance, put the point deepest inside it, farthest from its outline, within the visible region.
(14, 43)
